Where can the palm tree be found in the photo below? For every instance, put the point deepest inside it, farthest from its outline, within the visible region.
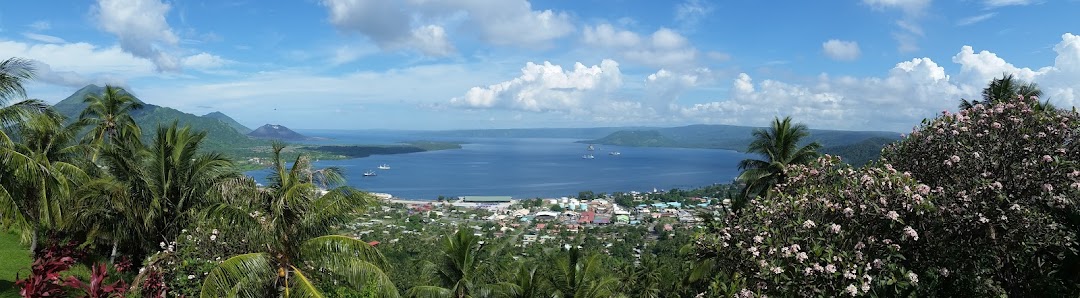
(164, 186)
(109, 117)
(1002, 89)
(577, 276)
(526, 283)
(292, 221)
(38, 174)
(14, 72)
(779, 147)
(460, 271)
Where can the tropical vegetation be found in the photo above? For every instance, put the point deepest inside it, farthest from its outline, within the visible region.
(975, 203)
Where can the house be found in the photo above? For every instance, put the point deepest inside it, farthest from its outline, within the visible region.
(546, 215)
(586, 217)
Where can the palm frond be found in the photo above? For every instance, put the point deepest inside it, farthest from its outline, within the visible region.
(229, 279)
(300, 286)
(428, 292)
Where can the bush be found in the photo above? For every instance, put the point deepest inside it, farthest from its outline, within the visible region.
(181, 265)
(1007, 219)
(831, 230)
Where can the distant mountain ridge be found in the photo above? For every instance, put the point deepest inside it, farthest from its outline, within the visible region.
(856, 147)
(220, 135)
(228, 121)
(274, 131)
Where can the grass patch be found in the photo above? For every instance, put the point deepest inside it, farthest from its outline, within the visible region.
(13, 257)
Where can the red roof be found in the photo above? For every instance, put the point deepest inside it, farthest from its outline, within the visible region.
(373, 243)
(587, 217)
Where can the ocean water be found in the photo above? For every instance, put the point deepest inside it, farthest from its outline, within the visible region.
(523, 167)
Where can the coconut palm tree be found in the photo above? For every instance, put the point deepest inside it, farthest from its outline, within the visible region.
(525, 283)
(39, 173)
(1007, 87)
(14, 72)
(109, 117)
(778, 147)
(460, 272)
(577, 276)
(293, 218)
(164, 186)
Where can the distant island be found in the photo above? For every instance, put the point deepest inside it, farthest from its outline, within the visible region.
(358, 151)
(276, 132)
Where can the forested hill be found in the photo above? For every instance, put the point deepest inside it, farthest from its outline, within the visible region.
(229, 121)
(856, 147)
(220, 136)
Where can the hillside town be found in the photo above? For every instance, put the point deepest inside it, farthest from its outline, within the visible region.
(539, 220)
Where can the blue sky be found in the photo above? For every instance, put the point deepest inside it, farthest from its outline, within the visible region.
(431, 64)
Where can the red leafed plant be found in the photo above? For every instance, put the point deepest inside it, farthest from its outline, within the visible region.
(44, 279)
(45, 275)
(97, 287)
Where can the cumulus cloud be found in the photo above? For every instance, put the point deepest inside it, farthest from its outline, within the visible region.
(204, 61)
(911, 90)
(841, 50)
(392, 24)
(664, 88)
(910, 31)
(548, 87)
(141, 27)
(664, 48)
(83, 58)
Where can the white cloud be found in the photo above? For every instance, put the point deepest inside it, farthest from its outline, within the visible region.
(665, 48)
(548, 87)
(841, 50)
(141, 27)
(911, 90)
(432, 40)
(1000, 3)
(421, 25)
(83, 58)
(43, 38)
(910, 7)
(40, 25)
(975, 19)
(204, 61)
(910, 30)
(691, 12)
(663, 88)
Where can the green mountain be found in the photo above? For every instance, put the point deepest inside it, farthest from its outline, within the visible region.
(220, 136)
(637, 138)
(860, 153)
(228, 121)
(856, 147)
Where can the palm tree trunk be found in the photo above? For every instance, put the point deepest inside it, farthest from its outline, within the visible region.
(33, 242)
(115, 245)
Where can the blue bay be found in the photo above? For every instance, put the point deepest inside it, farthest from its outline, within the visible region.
(523, 167)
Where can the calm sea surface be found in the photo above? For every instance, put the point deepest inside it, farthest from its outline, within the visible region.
(523, 167)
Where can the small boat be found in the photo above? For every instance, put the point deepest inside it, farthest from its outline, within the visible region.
(615, 153)
(369, 173)
(590, 148)
(384, 167)
(588, 156)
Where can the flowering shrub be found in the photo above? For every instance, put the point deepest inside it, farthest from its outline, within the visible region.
(183, 263)
(1007, 217)
(831, 230)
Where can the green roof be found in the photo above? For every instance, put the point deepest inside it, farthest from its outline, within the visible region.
(486, 198)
